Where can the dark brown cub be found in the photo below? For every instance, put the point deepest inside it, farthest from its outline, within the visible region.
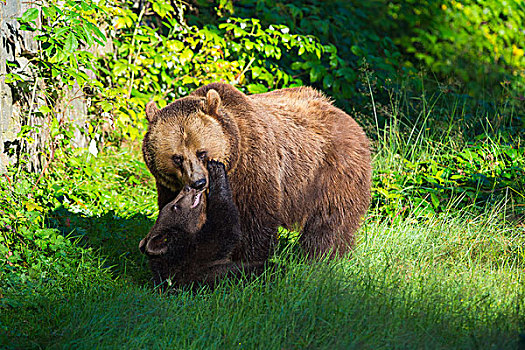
(195, 235)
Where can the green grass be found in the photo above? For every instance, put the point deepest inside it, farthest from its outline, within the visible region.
(449, 276)
(440, 284)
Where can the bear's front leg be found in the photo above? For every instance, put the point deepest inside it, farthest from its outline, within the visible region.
(221, 233)
(220, 198)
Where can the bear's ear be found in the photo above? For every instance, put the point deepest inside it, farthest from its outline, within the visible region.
(156, 245)
(213, 102)
(151, 111)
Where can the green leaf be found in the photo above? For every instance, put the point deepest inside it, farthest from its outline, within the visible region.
(248, 44)
(61, 31)
(87, 32)
(297, 65)
(268, 50)
(185, 56)
(356, 50)
(12, 77)
(158, 60)
(256, 88)
(30, 15)
(315, 73)
(71, 43)
(105, 105)
(435, 200)
(48, 11)
(100, 37)
(175, 45)
(256, 71)
(119, 68)
(188, 80)
(158, 9)
(27, 27)
(44, 109)
(328, 80)
(86, 6)
(143, 38)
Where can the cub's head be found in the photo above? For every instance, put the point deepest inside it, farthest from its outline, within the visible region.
(178, 221)
(182, 137)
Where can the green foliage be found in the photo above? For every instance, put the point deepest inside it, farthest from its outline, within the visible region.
(478, 43)
(62, 71)
(477, 176)
(455, 282)
(456, 275)
(49, 229)
(66, 31)
(263, 49)
(34, 255)
(348, 44)
(445, 153)
(168, 58)
(164, 50)
(474, 46)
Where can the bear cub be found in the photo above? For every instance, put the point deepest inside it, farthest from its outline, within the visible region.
(195, 235)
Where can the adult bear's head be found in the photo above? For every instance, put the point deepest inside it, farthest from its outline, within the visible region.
(182, 137)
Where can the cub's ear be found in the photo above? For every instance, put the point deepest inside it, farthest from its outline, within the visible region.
(213, 102)
(154, 246)
(151, 111)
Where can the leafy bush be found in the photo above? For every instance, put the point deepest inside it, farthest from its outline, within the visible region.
(66, 32)
(159, 56)
(343, 27)
(34, 256)
(53, 229)
(478, 176)
(479, 43)
(473, 46)
(346, 48)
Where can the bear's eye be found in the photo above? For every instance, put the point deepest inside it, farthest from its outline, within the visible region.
(202, 155)
(177, 160)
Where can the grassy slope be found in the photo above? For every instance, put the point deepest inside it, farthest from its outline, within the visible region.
(453, 281)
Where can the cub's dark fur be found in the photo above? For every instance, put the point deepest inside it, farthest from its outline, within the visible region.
(192, 241)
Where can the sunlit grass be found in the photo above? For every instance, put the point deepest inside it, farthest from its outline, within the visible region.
(447, 282)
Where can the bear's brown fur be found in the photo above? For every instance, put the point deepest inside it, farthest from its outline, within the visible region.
(292, 157)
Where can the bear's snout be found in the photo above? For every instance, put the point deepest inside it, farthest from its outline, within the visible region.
(199, 184)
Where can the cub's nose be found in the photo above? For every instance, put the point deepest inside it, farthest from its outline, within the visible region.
(199, 184)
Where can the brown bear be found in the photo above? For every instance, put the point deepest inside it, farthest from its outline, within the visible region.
(192, 242)
(293, 159)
